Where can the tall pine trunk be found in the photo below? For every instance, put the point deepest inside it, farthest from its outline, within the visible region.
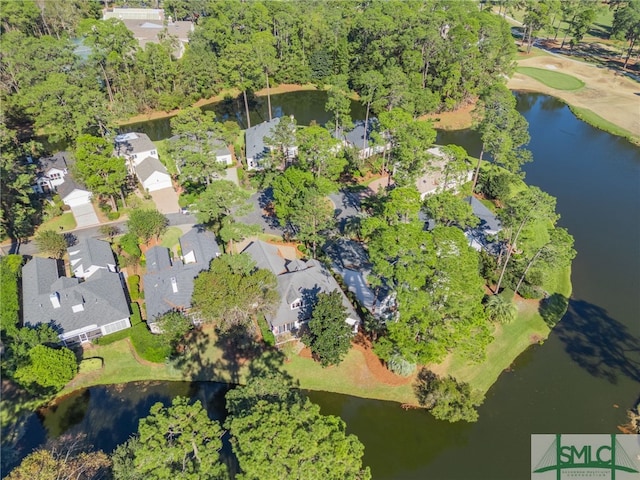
(631, 45)
(477, 172)
(510, 251)
(526, 270)
(246, 108)
(366, 128)
(268, 94)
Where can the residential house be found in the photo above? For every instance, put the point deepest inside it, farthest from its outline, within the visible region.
(142, 160)
(153, 175)
(80, 310)
(51, 172)
(355, 138)
(351, 261)
(221, 150)
(73, 194)
(223, 154)
(256, 148)
(168, 284)
(436, 179)
(149, 25)
(489, 225)
(90, 255)
(299, 283)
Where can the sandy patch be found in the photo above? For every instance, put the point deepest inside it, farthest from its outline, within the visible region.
(611, 95)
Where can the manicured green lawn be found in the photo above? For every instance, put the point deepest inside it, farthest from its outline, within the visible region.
(509, 341)
(351, 377)
(67, 221)
(557, 80)
(170, 238)
(120, 366)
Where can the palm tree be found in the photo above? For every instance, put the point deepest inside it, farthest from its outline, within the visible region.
(500, 309)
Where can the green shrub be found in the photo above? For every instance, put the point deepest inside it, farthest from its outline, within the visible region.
(10, 269)
(113, 215)
(134, 287)
(398, 365)
(129, 243)
(136, 316)
(267, 335)
(150, 347)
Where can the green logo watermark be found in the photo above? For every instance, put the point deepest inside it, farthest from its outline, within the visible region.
(559, 457)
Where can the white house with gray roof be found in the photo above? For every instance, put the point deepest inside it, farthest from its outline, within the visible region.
(52, 171)
(78, 310)
(255, 147)
(489, 225)
(73, 194)
(168, 283)
(351, 261)
(149, 25)
(355, 138)
(141, 157)
(298, 286)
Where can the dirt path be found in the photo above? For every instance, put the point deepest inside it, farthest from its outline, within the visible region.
(609, 94)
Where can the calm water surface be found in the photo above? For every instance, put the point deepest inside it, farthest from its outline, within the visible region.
(580, 380)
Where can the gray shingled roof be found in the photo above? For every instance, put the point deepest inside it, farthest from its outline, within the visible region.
(222, 148)
(148, 167)
(59, 160)
(255, 146)
(266, 256)
(305, 284)
(102, 297)
(488, 221)
(133, 142)
(89, 252)
(355, 136)
(157, 259)
(38, 275)
(202, 243)
(163, 276)
(69, 186)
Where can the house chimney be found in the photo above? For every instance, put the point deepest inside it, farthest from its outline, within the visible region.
(55, 299)
(174, 285)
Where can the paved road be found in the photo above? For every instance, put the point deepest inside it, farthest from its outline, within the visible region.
(30, 248)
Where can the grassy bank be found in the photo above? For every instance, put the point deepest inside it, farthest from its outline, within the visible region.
(600, 123)
(509, 342)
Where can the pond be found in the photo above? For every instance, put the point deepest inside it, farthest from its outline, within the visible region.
(581, 380)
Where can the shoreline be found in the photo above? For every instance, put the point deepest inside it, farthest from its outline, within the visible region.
(608, 101)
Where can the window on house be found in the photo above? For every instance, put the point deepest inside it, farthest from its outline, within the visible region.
(55, 176)
(153, 152)
(115, 326)
(296, 304)
(287, 327)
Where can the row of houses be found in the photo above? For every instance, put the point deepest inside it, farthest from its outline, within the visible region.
(93, 300)
(257, 147)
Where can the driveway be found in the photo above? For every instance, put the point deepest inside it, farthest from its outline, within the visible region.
(166, 200)
(260, 213)
(85, 215)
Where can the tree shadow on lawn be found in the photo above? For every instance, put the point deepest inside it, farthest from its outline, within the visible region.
(238, 354)
(598, 343)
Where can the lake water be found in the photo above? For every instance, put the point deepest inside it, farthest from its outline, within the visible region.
(581, 380)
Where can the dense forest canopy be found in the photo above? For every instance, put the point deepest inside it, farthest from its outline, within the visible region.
(66, 71)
